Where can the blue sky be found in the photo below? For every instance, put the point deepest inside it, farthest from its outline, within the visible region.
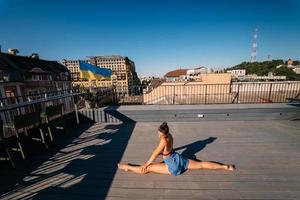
(157, 35)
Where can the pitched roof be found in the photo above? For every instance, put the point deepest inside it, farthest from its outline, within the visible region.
(37, 70)
(18, 66)
(176, 73)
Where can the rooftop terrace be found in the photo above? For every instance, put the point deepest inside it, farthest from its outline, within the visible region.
(82, 164)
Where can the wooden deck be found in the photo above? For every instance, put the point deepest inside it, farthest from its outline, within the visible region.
(266, 153)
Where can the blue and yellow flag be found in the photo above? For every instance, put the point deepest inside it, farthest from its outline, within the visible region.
(93, 72)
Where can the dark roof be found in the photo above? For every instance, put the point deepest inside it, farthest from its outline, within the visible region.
(37, 70)
(176, 73)
(18, 66)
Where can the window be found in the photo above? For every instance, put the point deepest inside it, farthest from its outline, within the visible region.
(36, 77)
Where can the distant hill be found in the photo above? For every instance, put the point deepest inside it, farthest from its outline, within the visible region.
(262, 68)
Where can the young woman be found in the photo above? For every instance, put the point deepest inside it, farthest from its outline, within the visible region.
(174, 163)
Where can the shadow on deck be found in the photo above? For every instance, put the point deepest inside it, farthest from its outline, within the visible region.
(83, 165)
(73, 166)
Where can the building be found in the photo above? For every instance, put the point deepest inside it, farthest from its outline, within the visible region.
(123, 72)
(295, 68)
(220, 78)
(73, 66)
(193, 74)
(179, 92)
(290, 62)
(237, 72)
(30, 75)
(198, 70)
(176, 75)
(254, 77)
(123, 69)
(145, 80)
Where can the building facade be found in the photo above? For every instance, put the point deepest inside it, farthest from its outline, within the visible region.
(25, 79)
(237, 72)
(73, 66)
(123, 72)
(123, 69)
(29, 75)
(193, 74)
(296, 69)
(176, 75)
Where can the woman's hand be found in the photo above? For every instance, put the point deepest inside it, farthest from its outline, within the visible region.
(144, 167)
(154, 155)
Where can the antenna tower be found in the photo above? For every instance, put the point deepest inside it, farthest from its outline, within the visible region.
(254, 46)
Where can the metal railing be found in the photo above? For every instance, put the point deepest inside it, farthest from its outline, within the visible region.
(13, 106)
(255, 92)
(250, 92)
(7, 101)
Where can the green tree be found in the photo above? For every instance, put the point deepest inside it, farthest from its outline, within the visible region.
(284, 71)
(263, 68)
(91, 98)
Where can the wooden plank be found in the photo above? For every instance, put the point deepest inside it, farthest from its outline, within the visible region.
(266, 154)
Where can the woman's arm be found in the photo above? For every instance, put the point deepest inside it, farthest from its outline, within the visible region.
(179, 148)
(156, 152)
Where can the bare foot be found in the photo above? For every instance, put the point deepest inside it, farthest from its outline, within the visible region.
(231, 167)
(123, 167)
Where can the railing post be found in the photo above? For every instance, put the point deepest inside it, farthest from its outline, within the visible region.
(142, 91)
(238, 93)
(270, 92)
(173, 94)
(105, 116)
(205, 94)
(76, 110)
(93, 114)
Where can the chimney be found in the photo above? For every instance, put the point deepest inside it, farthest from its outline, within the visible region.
(35, 56)
(13, 51)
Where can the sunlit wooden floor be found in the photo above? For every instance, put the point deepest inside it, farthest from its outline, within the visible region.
(266, 153)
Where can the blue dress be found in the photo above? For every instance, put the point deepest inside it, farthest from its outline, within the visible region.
(177, 164)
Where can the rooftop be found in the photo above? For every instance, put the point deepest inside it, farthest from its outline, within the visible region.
(108, 57)
(82, 164)
(16, 66)
(176, 73)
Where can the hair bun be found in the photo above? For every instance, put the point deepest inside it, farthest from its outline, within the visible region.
(164, 124)
(164, 128)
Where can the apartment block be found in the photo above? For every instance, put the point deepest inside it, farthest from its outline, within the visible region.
(73, 66)
(27, 78)
(123, 71)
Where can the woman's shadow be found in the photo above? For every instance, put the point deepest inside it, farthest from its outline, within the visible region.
(193, 148)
